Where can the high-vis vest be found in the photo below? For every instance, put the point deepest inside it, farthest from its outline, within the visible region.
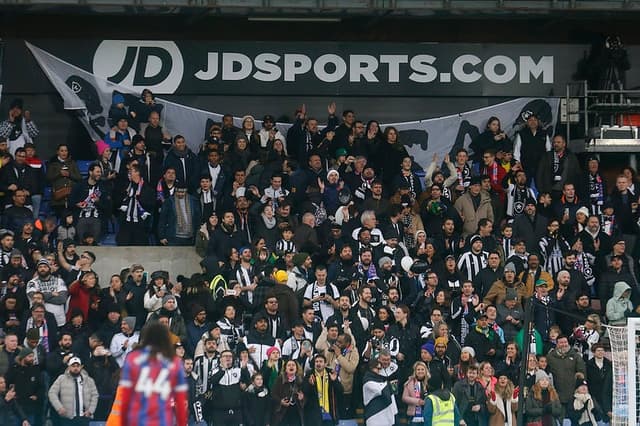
(443, 411)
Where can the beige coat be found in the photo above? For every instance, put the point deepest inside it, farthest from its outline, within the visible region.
(348, 362)
(498, 292)
(496, 410)
(471, 216)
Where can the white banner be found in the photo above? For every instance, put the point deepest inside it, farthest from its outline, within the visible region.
(91, 97)
(444, 135)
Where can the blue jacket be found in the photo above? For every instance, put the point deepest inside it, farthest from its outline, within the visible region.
(167, 222)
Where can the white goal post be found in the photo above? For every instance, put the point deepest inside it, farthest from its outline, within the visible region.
(625, 357)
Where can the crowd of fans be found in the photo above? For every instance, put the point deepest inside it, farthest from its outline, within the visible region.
(339, 278)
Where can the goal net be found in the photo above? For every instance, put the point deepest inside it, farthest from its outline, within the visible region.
(625, 357)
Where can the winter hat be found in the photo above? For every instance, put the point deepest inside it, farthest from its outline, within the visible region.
(541, 374)
(340, 152)
(512, 294)
(429, 347)
(43, 261)
(168, 297)
(299, 258)
(271, 350)
(113, 307)
(196, 309)
(384, 260)
(67, 242)
(581, 382)
(160, 274)
(101, 146)
(377, 325)
(131, 322)
(469, 350)
(583, 210)
(442, 341)
(24, 352)
(117, 99)
(510, 267)
(281, 276)
(475, 238)
(15, 253)
(333, 172)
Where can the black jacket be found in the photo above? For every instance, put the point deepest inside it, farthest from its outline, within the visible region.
(223, 240)
(80, 192)
(530, 230)
(24, 176)
(483, 344)
(190, 168)
(601, 383)
(226, 387)
(622, 208)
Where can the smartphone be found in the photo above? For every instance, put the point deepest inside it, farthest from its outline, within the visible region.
(231, 292)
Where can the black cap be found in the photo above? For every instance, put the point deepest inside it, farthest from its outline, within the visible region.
(268, 117)
(137, 138)
(530, 200)
(475, 180)
(68, 242)
(377, 325)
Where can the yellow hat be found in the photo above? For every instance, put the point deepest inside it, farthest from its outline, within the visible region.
(441, 341)
(281, 276)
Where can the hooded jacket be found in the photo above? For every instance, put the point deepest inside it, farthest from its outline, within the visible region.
(619, 307)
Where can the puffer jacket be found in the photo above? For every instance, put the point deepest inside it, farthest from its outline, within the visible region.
(619, 306)
(62, 394)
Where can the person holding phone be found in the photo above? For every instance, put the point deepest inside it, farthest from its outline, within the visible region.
(11, 413)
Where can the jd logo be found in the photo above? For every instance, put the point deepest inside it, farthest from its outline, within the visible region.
(139, 64)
